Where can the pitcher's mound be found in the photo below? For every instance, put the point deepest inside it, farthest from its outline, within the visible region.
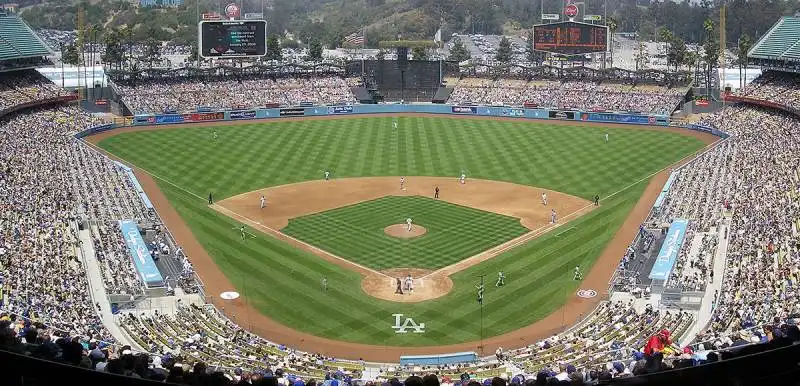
(401, 231)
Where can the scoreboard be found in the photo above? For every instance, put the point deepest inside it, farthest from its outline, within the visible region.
(570, 38)
(232, 39)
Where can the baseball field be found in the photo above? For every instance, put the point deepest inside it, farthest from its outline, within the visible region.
(348, 232)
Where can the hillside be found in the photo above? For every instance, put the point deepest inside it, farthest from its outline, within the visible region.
(331, 20)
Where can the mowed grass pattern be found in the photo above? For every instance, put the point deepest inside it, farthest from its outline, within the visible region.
(356, 233)
(283, 282)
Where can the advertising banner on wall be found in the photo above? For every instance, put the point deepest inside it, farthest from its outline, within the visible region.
(169, 118)
(142, 260)
(516, 113)
(464, 109)
(622, 118)
(669, 250)
(243, 114)
(200, 117)
(556, 114)
(340, 110)
(296, 112)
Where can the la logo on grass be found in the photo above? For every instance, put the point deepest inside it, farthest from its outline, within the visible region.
(408, 323)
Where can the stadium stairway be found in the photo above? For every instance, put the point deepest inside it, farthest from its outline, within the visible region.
(442, 94)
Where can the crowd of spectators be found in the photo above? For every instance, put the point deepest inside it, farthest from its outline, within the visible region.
(587, 96)
(182, 95)
(778, 87)
(20, 87)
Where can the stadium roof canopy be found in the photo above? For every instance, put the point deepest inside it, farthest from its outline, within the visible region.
(781, 42)
(18, 41)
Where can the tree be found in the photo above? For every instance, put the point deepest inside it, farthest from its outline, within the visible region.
(315, 50)
(152, 51)
(641, 57)
(611, 22)
(745, 43)
(711, 54)
(419, 53)
(274, 48)
(666, 37)
(677, 52)
(504, 52)
(458, 53)
(114, 54)
(70, 55)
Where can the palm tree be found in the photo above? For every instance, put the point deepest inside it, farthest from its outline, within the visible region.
(612, 29)
(744, 46)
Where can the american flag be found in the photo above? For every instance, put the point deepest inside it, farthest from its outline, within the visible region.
(355, 39)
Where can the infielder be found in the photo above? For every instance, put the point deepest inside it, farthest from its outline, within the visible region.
(577, 275)
(327, 175)
(501, 279)
(263, 201)
(544, 198)
(553, 216)
(408, 224)
(480, 293)
(324, 284)
(463, 178)
(436, 192)
(402, 183)
(242, 231)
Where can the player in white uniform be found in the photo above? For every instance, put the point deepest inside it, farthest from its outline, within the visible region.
(263, 201)
(553, 218)
(394, 124)
(606, 137)
(501, 279)
(577, 275)
(408, 224)
(242, 231)
(544, 198)
(402, 183)
(409, 283)
(327, 175)
(463, 178)
(325, 284)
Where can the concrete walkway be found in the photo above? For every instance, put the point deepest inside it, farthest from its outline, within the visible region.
(97, 290)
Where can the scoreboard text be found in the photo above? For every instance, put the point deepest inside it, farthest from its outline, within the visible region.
(570, 38)
(232, 39)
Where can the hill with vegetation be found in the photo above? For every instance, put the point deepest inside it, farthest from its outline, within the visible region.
(328, 21)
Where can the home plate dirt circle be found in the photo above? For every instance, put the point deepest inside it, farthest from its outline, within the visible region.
(401, 231)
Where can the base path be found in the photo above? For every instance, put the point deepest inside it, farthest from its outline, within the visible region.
(216, 282)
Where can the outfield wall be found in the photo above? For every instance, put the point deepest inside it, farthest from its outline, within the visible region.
(485, 111)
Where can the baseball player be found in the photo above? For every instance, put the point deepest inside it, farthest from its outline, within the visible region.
(596, 200)
(409, 283)
(408, 224)
(436, 192)
(399, 284)
(553, 218)
(210, 199)
(214, 135)
(402, 183)
(501, 279)
(394, 124)
(606, 137)
(577, 275)
(480, 293)
(544, 198)
(324, 284)
(463, 178)
(242, 231)
(263, 201)
(327, 175)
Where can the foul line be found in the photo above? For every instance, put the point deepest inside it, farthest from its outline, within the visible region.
(565, 231)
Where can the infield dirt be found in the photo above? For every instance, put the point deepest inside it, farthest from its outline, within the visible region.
(576, 307)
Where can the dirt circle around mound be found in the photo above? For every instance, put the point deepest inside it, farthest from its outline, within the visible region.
(401, 231)
(427, 285)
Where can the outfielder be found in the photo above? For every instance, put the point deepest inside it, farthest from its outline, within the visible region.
(480, 293)
(214, 134)
(402, 183)
(324, 284)
(394, 124)
(408, 224)
(263, 201)
(544, 198)
(577, 275)
(553, 217)
(327, 175)
(606, 137)
(242, 231)
(501, 279)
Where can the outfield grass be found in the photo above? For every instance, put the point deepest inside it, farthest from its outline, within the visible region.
(573, 160)
(454, 232)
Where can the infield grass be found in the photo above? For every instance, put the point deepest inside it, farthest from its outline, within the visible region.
(571, 159)
(454, 232)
